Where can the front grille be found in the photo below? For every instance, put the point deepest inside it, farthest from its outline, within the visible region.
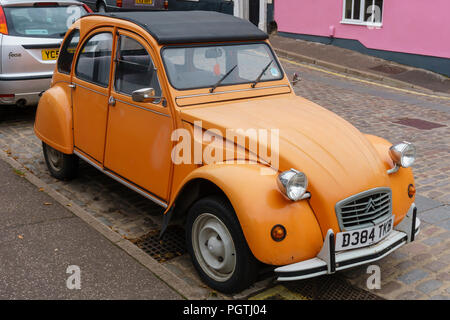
(364, 209)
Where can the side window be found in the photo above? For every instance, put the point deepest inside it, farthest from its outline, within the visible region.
(94, 59)
(68, 51)
(134, 68)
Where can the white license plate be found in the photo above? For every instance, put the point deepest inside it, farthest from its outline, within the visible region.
(363, 237)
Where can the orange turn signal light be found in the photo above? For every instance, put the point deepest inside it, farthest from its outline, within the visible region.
(411, 191)
(278, 232)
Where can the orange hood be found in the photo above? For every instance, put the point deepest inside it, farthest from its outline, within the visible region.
(337, 159)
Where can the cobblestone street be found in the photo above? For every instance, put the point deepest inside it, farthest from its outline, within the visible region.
(420, 270)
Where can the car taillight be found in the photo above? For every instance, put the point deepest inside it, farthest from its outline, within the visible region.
(3, 25)
(119, 3)
(166, 4)
(86, 7)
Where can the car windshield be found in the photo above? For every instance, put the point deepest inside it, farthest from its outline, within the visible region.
(204, 66)
(41, 21)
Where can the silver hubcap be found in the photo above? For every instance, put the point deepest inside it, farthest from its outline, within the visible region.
(213, 247)
(54, 158)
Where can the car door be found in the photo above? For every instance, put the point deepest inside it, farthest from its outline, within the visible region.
(138, 144)
(91, 92)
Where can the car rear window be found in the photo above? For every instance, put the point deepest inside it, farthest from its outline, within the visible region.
(42, 21)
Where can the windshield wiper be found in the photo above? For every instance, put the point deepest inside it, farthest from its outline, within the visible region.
(261, 74)
(221, 79)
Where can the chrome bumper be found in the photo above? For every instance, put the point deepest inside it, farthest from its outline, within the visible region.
(329, 261)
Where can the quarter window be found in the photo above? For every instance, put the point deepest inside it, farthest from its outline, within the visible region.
(365, 12)
(134, 68)
(68, 51)
(94, 60)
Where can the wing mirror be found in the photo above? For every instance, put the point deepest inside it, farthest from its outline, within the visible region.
(144, 95)
(295, 79)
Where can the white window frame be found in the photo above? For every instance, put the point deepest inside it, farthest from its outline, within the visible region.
(361, 21)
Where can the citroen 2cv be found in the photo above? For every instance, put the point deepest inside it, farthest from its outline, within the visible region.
(194, 111)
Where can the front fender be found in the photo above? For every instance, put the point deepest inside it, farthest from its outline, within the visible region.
(53, 124)
(259, 205)
(399, 181)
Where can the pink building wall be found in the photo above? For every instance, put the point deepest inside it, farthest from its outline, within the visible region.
(409, 26)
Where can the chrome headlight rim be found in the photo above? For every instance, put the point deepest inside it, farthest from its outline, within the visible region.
(403, 154)
(286, 180)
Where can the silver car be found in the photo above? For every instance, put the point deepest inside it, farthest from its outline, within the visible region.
(30, 35)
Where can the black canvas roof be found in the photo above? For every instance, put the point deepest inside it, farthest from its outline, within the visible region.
(170, 27)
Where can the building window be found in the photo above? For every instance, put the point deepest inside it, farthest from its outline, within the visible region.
(363, 12)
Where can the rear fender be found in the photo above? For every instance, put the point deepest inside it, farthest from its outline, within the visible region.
(53, 124)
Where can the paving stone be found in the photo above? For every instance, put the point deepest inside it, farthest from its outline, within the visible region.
(435, 266)
(429, 286)
(409, 295)
(432, 241)
(389, 287)
(413, 276)
(437, 215)
(440, 297)
(444, 276)
(445, 224)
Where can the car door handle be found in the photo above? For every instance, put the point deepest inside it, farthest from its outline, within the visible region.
(72, 85)
(111, 101)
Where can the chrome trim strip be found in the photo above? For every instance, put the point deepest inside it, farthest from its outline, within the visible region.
(127, 184)
(92, 163)
(79, 85)
(136, 106)
(25, 77)
(230, 91)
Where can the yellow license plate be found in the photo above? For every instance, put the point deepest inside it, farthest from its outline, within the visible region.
(50, 54)
(143, 1)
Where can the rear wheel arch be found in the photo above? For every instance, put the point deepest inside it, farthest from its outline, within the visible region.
(53, 122)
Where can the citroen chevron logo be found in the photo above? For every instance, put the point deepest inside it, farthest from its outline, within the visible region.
(370, 206)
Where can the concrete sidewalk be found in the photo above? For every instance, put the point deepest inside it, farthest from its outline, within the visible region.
(40, 239)
(361, 65)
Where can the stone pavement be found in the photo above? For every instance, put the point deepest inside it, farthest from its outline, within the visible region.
(418, 270)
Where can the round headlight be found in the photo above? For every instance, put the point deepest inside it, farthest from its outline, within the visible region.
(403, 154)
(293, 184)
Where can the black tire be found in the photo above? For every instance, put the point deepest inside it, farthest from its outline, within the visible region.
(245, 268)
(61, 166)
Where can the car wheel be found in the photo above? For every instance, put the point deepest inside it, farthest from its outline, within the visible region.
(61, 166)
(218, 247)
(101, 8)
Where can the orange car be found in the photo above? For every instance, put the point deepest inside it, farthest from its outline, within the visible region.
(194, 111)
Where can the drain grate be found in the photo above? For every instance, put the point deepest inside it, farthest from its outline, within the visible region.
(172, 244)
(418, 123)
(389, 69)
(329, 288)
